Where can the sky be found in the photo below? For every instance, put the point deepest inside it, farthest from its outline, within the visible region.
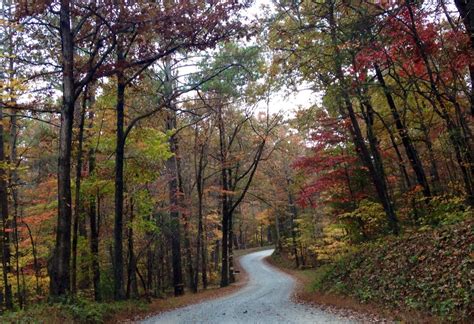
(282, 102)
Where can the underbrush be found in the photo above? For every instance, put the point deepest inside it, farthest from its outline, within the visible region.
(430, 271)
(77, 311)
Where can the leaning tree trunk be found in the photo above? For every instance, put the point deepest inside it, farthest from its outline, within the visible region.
(36, 264)
(373, 144)
(459, 132)
(410, 149)
(377, 179)
(374, 164)
(466, 11)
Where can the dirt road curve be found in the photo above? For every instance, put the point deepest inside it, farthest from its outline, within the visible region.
(265, 299)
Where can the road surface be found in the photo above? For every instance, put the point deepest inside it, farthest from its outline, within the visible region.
(265, 299)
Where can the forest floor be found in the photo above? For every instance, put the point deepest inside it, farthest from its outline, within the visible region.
(422, 276)
(86, 311)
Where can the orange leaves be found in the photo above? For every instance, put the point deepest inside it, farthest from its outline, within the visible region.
(264, 216)
(219, 190)
(39, 218)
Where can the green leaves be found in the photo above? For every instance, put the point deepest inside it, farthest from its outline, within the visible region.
(146, 151)
(237, 69)
(150, 144)
(144, 207)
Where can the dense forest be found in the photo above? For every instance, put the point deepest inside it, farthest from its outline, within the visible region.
(143, 142)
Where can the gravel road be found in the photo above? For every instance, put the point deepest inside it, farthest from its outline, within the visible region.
(265, 299)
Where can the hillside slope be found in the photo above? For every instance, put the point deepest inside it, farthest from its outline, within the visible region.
(429, 272)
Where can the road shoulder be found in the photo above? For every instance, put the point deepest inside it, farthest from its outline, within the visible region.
(160, 305)
(339, 305)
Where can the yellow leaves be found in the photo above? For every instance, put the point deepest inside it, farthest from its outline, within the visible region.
(264, 216)
(11, 89)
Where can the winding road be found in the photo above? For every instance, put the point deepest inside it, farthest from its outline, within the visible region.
(265, 299)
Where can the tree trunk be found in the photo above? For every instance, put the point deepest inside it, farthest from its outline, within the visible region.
(94, 248)
(132, 287)
(231, 248)
(204, 257)
(224, 201)
(119, 184)
(59, 267)
(200, 241)
(278, 244)
(185, 216)
(149, 271)
(93, 223)
(225, 247)
(200, 249)
(294, 215)
(173, 187)
(14, 193)
(5, 217)
(78, 208)
(189, 258)
(13, 179)
(216, 255)
(373, 161)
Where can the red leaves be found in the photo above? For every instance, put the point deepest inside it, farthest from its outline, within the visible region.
(411, 42)
(329, 166)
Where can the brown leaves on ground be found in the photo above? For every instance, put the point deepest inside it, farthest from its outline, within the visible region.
(424, 276)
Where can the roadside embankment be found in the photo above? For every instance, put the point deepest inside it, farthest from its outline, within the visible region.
(424, 276)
